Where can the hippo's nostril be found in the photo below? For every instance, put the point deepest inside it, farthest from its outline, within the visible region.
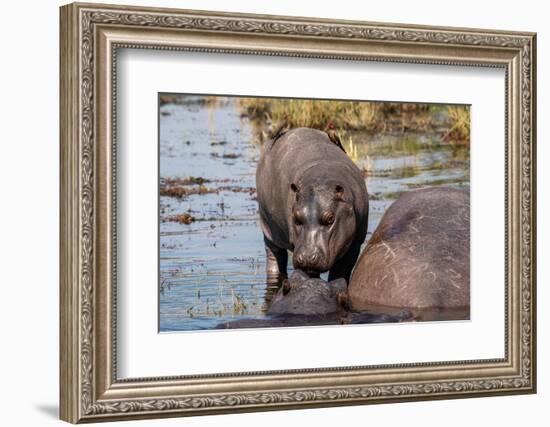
(313, 258)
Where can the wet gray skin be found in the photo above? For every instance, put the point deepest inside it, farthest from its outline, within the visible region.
(419, 255)
(313, 201)
(302, 300)
(301, 294)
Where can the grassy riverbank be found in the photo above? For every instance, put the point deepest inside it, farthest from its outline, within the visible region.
(453, 121)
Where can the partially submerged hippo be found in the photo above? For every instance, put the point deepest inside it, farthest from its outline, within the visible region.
(305, 301)
(312, 201)
(301, 294)
(419, 256)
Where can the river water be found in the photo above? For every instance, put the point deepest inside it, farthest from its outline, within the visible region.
(212, 270)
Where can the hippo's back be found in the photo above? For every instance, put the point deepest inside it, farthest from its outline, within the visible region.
(419, 256)
(287, 158)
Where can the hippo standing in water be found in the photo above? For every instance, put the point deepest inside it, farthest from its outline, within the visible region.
(312, 201)
(419, 256)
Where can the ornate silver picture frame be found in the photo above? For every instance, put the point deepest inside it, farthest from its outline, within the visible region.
(91, 36)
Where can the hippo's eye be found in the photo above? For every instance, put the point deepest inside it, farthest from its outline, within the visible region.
(297, 221)
(328, 219)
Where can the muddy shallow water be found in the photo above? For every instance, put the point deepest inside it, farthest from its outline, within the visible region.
(212, 259)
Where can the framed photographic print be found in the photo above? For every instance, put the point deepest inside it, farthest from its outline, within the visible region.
(266, 212)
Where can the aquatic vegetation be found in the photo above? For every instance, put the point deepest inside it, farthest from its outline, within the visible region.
(181, 99)
(406, 171)
(459, 118)
(237, 189)
(392, 195)
(344, 115)
(181, 191)
(447, 124)
(239, 306)
(437, 182)
(184, 218)
(183, 187)
(454, 163)
(226, 155)
(311, 113)
(404, 117)
(168, 99)
(198, 180)
(351, 149)
(164, 285)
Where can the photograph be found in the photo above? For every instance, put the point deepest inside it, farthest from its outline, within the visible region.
(278, 212)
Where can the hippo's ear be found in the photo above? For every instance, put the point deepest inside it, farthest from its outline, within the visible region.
(295, 189)
(339, 192)
(338, 285)
(286, 286)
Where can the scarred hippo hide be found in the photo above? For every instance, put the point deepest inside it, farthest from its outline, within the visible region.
(312, 201)
(301, 294)
(419, 255)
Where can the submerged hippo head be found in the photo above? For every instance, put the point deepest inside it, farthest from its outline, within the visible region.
(303, 295)
(322, 225)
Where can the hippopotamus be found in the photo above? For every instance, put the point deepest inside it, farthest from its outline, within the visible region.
(313, 201)
(419, 255)
(306, 301)
(301, 294)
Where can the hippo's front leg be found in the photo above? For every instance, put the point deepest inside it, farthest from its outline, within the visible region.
(344, 266)
(276, 260)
